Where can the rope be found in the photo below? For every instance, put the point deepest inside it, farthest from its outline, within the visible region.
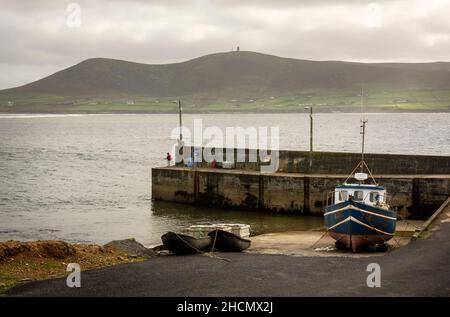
(387, 239)
(362, 163)
(214, 243)
(321, 237)
(209, 254)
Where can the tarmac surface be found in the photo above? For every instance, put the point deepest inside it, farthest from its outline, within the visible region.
(421, 268)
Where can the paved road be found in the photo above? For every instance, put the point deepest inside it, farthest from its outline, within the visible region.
(419, 269)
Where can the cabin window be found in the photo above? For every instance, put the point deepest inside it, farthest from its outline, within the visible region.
(358, 195)
(374, 196)
(343, 195)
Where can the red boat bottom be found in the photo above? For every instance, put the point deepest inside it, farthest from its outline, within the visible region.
(356, 241)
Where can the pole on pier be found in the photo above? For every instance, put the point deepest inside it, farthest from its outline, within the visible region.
(180, 119)
(310, 129)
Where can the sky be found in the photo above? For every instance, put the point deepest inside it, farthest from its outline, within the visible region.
(40, 37)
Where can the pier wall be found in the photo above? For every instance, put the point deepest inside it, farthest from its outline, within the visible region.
(336, 162)
(414, 198)
(417, 185)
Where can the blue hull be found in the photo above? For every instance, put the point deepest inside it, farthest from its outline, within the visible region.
(356, 224)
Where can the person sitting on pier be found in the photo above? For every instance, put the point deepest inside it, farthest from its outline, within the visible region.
(188, 162)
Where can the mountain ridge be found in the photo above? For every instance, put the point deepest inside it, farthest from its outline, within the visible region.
(214, 72)
(234, 81)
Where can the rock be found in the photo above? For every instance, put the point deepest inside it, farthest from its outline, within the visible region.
(26, 279)
(130, 247)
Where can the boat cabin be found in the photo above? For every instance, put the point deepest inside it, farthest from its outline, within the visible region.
(368, 194)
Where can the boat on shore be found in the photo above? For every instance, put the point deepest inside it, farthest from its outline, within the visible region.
(357, 214)
(181, 244)
(228, 242)
(360, 217)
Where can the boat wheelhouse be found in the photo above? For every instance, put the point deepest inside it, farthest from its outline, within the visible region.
(372, 195)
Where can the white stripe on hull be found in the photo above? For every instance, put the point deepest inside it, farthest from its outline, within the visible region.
(361, 210)
(361, 223)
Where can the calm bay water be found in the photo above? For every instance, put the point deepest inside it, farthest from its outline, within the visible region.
(87, 178)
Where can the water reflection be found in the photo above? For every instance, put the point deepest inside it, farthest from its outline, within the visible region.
(181, 216)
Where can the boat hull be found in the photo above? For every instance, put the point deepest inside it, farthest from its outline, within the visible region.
(228, 242)
(181, 244)
(356, 225)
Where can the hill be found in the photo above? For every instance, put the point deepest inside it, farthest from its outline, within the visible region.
(234, 80)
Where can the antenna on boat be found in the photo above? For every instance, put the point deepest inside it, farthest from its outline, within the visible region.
(361, 176)
(363, 127)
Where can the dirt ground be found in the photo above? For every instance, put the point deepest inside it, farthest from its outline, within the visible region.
(36, 260)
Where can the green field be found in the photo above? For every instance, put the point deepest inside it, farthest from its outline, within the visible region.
(379, 100)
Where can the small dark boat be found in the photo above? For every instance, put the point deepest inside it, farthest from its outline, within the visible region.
(228, 242)
(181, 244)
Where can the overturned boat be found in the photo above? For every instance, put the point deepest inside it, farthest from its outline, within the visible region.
(181, 244)
(228, 242)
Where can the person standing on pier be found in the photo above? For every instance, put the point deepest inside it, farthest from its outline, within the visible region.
(168, 158)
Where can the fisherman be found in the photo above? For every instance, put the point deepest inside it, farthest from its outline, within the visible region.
(168, 158)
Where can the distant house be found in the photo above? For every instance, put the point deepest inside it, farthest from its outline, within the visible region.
(130, 102)
(10, 103)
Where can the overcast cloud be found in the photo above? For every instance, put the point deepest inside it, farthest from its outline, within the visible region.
(37, 40)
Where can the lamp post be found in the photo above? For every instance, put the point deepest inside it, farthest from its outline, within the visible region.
(179, 153)
(311, 125)
(179, 117)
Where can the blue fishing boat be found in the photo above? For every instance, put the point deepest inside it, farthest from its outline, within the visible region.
(357, 214)
(360, 216)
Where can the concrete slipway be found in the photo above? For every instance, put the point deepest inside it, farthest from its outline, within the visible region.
(421, 268)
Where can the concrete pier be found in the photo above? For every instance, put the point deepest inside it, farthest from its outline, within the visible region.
(418, 185)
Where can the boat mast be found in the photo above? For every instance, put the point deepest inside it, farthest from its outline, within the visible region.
(363, 128)
(362, 163)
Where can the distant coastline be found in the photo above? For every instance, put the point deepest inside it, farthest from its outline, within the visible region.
(242, 82)
(212, 111)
